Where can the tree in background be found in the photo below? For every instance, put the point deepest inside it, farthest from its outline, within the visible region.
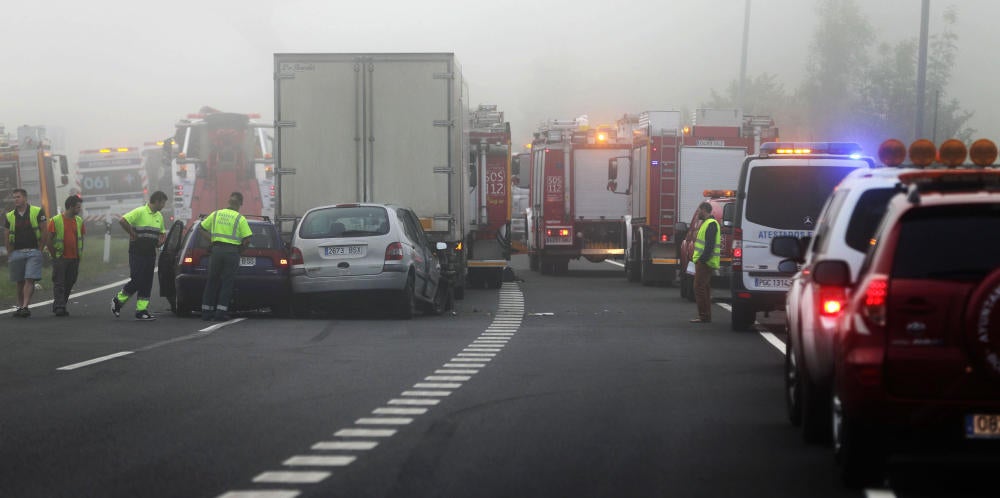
(857, 89)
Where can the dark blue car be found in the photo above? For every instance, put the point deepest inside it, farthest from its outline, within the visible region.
(261, 280)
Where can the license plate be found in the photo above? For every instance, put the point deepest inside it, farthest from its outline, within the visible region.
(248, 261)
(982, 426)
(772, 283)
(343, 251)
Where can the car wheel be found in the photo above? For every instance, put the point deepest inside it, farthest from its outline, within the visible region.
(181, 308)
(440, 303)
(743, 316)
(407, 301)
(793, 388)
(856, 450)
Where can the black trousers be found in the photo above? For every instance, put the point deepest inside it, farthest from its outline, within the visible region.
(64, 275)
(141, 272)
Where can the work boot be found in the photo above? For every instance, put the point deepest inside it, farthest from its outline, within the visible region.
(116, 306)
(144, 316)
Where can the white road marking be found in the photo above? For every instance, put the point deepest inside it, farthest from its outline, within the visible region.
(497, 341)
(274, 493)
(383, 421)
(218, 326)
(399, 411)
(345, 445)
(364, 432)
(320, 460)
(447, 378)
(426, 393)
(437, 385)
(879, 493)
(95, 360)
(414, 402)
(480, 355)
(455, 371)
(780, 346)
(482, 350)
(470, 359)
(497, 334)
(294, 476)
(464, 365)
(112, 285)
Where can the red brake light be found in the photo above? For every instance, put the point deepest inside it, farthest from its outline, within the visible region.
(664, 238)
(832, 300)
(394, 252)
(297, 256)
(737, 249)
(876, 294)
(548, 232)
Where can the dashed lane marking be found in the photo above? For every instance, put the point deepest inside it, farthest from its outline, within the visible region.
(300, 476)
(415, 401)
(95, 360)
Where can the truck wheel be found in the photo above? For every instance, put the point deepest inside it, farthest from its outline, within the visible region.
(632, 269)
(560, 266)
(497, 281)
(743, 316)
(545, 266)
(646, 274)
(533, 262)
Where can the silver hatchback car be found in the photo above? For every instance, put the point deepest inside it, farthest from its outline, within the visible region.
(380, 250)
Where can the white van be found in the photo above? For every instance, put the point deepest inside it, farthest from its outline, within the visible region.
(780, 193)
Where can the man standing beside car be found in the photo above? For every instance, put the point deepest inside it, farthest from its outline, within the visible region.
(144, 226)
(706, 257)
(230, 233)
(66, 233)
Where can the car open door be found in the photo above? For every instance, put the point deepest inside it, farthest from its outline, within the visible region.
(168, 263)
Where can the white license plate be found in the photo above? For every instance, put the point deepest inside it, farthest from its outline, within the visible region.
(772, 283)
(982, 426)
(248, 261)
(344, 251)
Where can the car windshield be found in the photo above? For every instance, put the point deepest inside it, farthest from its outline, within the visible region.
(972, 233)
(802, 190)
(338, 222)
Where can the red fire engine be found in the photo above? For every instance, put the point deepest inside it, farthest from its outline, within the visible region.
(489, 149)
(575, 209)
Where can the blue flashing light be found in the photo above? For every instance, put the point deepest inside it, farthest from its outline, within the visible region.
(850, 149)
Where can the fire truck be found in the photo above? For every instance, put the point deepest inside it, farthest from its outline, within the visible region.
(579, 195)
(214, 153)
(674, 165)
(27, 161)
(489, 151)
(112, 182)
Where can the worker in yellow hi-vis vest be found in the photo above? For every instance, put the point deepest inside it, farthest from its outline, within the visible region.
(230, 234)
(146, 232)
(706, 257)
(66, 231)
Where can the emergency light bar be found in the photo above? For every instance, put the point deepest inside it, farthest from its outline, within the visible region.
(952, 153)
(811, 148)
(718, 193)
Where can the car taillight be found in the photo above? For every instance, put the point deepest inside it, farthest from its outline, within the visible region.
(875, 297)
(297, 256)
(832, 300)
(664, 238)
(394, 252)
(737, 249)
(188, 261)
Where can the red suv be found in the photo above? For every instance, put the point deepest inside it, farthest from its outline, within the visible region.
(917, 349)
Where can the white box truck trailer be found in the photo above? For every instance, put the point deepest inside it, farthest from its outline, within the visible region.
(386, 128)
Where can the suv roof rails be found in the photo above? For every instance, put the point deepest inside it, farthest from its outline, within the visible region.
(948, 180)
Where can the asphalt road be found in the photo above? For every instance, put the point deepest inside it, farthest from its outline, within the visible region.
(580, 385)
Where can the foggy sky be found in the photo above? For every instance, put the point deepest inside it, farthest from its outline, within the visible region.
(117, 73)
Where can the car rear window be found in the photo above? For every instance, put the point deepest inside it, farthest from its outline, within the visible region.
(265, 236)
(790, 197)
(867, 214)
(339, 222)
(948, 243)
